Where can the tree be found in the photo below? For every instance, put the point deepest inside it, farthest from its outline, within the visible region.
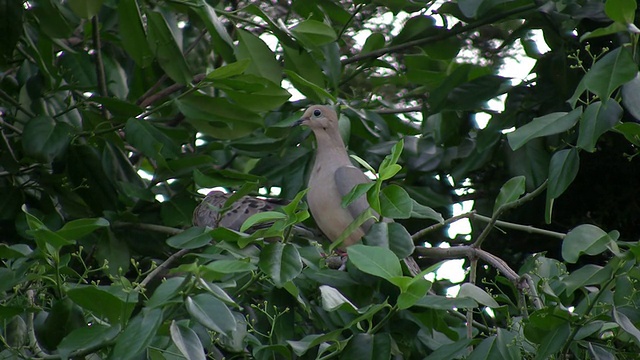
(114, 114)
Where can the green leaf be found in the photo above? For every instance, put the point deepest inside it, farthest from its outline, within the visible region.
(187, 341)
(138, 334)
(93, 336)
(263, 61)
(472, 291)
(220, 39)
(510, 192)
(132, 34)
(563, 169)
(631, 132)
(355, 193)
(45, 139)
(553, 341)
(375, 260)
(110, 302)
(191, 238)
(584, 239)
(631, 97)
(498, 346)
(589, 274)
(622, 11)
(211, 313)
(163, 45)
(368, 346)
(416, 291)
(549, 124)
(281, 262)
(446, 303)
(85, 9)
(76, 229)
(395, 202)
(218, 117)
(309, 88)
(333, 300)
(392, 236)
(626, 325)
(611, 71)
(262, 217)
(420, 211)
(230, 70)
(227, 266)
(151, 141)
(597, 119)
(314, 33)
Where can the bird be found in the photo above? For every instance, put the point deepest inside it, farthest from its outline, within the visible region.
(332, 177)
(211, 212)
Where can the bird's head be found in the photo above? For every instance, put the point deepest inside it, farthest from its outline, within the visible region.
(319, 117)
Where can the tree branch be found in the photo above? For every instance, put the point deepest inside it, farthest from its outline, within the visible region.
(504, 208)
(469, 251)
(442, 36)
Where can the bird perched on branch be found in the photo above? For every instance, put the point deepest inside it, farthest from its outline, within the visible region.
(211, 212)
(333, 176)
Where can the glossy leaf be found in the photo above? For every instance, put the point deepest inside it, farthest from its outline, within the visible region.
(110, 302)
(546, 125)
(45, 139)
(333, 300)
(510, 192)
(631, 97)
(281, 262)
(314, 33)
(376, 261)
(562, 171)
(392, 236)
(597, 119)
(631, 132)
(368, 346)
(186, 341)
(87, 337)
(164, 47)
(611, 71)
(191, 238)
(395, 202)
(76, 229)
(138, 334)
(132, 33)
(263, 62)
(482, 297)
(211, 313)
(85, 8)
(622, 11)
(416, 291)
(584, 239)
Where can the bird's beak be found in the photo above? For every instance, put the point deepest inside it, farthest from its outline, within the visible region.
(300, 121)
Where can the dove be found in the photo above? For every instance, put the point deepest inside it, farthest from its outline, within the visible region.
(332, 177)
(210, 213)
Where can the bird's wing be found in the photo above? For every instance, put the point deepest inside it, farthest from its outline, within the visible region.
(242, 209)
(347, 177)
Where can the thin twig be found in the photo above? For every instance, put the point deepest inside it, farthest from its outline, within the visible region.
(15, 103)
(422, 233)
(167, 91)
(152, 227)
(524, 228)
(469, 251)
(164, 265)
(505, 207)
(400, 111)
(102, 79)
(442, 36)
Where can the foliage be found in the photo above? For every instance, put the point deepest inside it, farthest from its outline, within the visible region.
(114, 114)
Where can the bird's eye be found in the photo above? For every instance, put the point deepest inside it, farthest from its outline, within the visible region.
(317, 112)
